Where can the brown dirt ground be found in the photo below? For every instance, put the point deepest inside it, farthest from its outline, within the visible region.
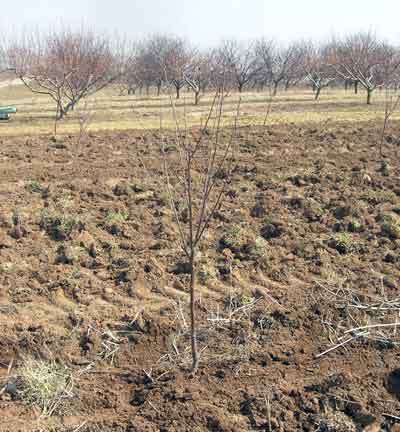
(306, 241)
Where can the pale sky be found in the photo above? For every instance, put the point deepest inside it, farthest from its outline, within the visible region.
(207, 21)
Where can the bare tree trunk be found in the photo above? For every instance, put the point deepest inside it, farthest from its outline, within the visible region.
(317, 93)
(196, 97)
(178, 92)
(369, 94)
(158, 88)
(240, 87)
(346, 85)
(55, 122)
(60, 113)
(195, 351)
(275, 91)
(383, 136)
(355, 87)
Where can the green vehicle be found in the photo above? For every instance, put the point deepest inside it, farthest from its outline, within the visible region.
(6, 111)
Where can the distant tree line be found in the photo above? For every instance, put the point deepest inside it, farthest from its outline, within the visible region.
(70, 65)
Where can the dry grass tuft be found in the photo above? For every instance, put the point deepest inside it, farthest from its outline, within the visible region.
(349, 315)
(228, 334)
(45, 385)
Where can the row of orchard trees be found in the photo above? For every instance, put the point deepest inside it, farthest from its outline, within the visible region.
(70, 65)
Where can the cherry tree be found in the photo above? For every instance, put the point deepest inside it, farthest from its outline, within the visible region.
(362, 58)
(240, 59)
(67, 66)
(278, 63)
(316, 67)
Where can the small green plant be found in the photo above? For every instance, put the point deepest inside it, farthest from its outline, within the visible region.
(120, 262)
(233, 237)
(16, 217)
(313, 211)
(17, 230)
(114, 220)
(59, 225)
(354, 226)
(46, 385)
(343, 243)
(375, 197)
(34, 186)
(164, 199)
(116, 217)
(259, 247)
(236, 300)
(8, 267)
(76, 273)
(206, 274)
(243, 242)
(390, 227)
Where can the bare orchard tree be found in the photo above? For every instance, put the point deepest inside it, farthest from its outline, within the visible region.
(173, 55)
(389, 68)
(131, 79)
(240, 60)
(208, 71)
(278, 63)
(295, 71)
(196, 178)
(197, 75)
(148, 63)
(220, 77)
(176, 61)
(348, 83)
(67, 66)
(316, 67)
(362, 58)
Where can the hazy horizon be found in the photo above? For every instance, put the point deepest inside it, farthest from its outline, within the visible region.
(208, 21)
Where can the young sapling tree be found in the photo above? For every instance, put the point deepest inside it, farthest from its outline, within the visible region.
(196, 177)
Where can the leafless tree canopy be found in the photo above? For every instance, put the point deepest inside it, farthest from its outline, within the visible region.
(316, 66)
(240, 62)
(197, 74)
(364, 59)
(168, 57)
(279, 64)
(67, 66)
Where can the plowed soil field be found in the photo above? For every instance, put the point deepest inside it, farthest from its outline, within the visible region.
(302, 257)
